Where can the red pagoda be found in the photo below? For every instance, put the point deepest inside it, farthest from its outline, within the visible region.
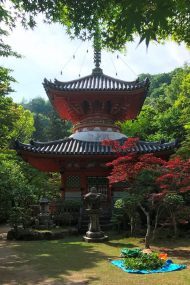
(93, 104)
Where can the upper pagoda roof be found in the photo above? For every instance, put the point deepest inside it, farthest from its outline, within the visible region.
(70, 98)
(97, 81)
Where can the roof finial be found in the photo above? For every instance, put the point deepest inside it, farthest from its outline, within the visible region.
(97, 52)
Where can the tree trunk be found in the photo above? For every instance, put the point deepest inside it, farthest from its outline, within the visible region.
(174, 224)
(132, 225)
(148, 227)
(158, 212)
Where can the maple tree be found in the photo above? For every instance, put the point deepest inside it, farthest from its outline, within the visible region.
(127, 166)
(172, 178)
(119, 21)
(129, 163)
(175, 176)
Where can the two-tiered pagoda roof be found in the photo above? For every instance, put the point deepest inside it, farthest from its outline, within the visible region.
(93, 103)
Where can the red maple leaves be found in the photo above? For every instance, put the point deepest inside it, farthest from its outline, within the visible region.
(175, 173)
(129, 163)
(176, 176)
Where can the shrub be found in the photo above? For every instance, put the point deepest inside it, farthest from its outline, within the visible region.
(129, 253)
(144, 262)
(20, 216)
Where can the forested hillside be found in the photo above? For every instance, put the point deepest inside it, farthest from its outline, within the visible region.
(20, 184)
(166, 112)
(47, 124)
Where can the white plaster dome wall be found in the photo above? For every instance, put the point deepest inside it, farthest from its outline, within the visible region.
(97, 135)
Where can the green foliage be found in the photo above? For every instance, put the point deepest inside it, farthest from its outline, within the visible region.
(145, 182)
(119, 21)
(125, 209)
(6, 19)
(129, 253)
(20, 217)
(5, 49)
(183, 104)
(173, 201)
(128, 202)
(149, 261)
(5, 81)
(165, 115)
(48, 126)
(13, 120)
(22, 185)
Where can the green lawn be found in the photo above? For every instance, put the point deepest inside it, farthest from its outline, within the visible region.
(71, 261)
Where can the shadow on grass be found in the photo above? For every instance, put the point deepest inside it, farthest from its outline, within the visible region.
(120, 244)
(171, 242)
(179, 254)
(37, 261)
(175, 248)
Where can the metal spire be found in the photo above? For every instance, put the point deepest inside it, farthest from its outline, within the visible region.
(97, 54)
(97, 57)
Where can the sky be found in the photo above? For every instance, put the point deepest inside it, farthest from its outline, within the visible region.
(48, 52)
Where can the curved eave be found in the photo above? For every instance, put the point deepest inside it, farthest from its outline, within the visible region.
(71, 146)
(95, 83)
(50, 156)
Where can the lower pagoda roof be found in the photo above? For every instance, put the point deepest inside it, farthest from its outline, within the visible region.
(73, 147)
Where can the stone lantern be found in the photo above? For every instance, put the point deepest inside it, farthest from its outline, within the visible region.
(93, 201)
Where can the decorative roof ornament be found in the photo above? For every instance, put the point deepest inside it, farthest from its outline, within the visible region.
(97, 54)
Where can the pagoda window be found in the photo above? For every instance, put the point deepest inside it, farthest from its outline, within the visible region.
(97, 106)
(85, 107)
(100, 182)
(108, 107)
(73, 182)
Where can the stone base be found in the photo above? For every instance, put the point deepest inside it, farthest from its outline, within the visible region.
(95, 239)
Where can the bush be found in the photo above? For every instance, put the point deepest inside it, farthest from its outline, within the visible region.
(28, 234)
(144, 262)
(20, 216)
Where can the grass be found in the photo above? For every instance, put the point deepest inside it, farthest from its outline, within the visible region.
(72, 261)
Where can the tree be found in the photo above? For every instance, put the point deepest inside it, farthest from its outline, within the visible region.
(13, 120)
(136, 170)
(183, 103)
(119, 21)
(126, 206)
(48, 126)
(172, 202)
(175, 176)
(21, 185)
(156, 183)
(5, 81)
(165, 113)
(174, 181)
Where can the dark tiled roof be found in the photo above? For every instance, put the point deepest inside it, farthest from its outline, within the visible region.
(70, 146)
(96, 82)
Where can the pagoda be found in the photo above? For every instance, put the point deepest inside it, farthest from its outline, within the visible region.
(93, 104)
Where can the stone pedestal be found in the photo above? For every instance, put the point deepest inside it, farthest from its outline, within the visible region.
(94, 233)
